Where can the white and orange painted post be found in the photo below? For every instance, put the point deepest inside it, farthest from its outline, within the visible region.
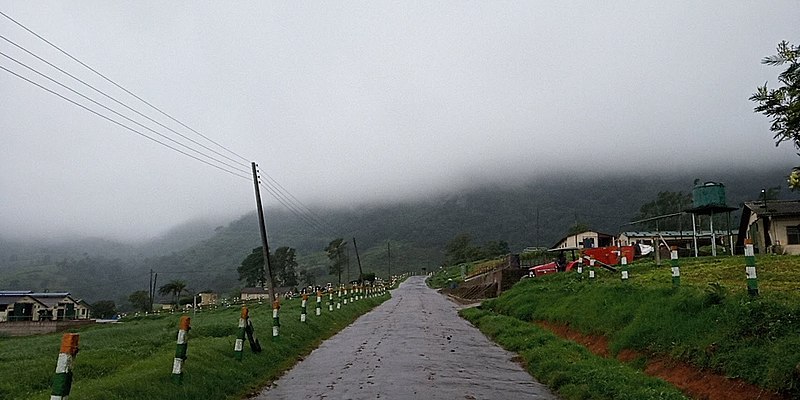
(624, 267)
(319, 303)
(276, 322)
(62, 380)
(676, 269)
(750, 268)
(303, 307)
(181, 349)
(591, 269)
(345, 294)
(339, 298)
(239, 344)
(330, 300)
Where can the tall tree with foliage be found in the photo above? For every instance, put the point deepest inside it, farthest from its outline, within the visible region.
(174, 288)
(140, 300)
(251, 270)
(782, 104)
(104, 309)
(460, 249)
(336, 254)
(285, 263)
(664, 204)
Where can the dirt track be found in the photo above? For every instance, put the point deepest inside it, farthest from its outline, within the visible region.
(412, 346)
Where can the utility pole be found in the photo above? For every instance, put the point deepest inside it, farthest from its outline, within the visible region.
(153, 290)
(150, 290)
(263, 228)
(389, 255)
(360, 271)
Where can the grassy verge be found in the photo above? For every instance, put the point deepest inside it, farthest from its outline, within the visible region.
(568, 368)
(709, 321)
(133, 359)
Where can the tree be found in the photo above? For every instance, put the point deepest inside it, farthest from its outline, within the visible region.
(104, 309)
(783, 103)
(285, 262)
(335, 251)
(308, 278)
(495, 248)
(175, 288)
(140, 300)
(460, 249)
(252, 269)
(664, 204)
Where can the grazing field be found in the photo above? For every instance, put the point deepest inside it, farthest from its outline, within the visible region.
(133, 359)
(709, 321)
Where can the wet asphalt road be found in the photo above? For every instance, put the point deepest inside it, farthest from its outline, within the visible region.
(413, 346)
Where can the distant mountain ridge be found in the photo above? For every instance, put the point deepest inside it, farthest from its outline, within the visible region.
(532, 213)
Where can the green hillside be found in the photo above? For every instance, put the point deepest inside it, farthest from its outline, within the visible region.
(527, 213)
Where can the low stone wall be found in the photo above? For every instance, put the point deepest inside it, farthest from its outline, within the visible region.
(27, 328)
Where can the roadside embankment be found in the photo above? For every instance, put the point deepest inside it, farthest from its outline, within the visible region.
(744, 340)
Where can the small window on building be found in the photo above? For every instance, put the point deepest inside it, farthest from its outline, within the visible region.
(793, 234)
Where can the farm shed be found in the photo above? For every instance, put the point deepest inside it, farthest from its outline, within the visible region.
(773, 225)
(586, 239)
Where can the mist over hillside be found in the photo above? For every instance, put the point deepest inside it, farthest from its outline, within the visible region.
(205, 255)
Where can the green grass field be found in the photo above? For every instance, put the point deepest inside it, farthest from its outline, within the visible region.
(709, 321)
(133, 359)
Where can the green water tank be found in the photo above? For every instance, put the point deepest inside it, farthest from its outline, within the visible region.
(709, 194)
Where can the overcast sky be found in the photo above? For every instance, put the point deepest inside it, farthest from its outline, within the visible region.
(344, 102)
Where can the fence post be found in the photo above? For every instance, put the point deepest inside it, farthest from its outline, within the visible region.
(676, 269)
(303, 307)
(62, 380)
(750, 268)
(319, 303)
(580, 269)
(276, 322)
(624, 266)
(339, 298)
(239, 345)
(591, 269)
(330, 299)
(180, 349)
(345, 294)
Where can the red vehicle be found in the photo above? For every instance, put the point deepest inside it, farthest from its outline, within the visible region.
(550, 268)
(605, 257)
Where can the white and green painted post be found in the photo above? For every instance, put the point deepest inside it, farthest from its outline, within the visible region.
(580, 269)
(62, 380)
(352, 293)
(676, 269)
(345, 294)
(750, 268)
(330, 300)
(591, 269)
(339, 298)
(276, 322)
(624, 267)
(303, 308)
(319, 303)
(238, 346)
(181, 349)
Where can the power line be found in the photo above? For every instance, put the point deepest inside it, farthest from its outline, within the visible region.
(119, 123)
(275, 189)
(117, 113)
(119, 86)
(117, 101)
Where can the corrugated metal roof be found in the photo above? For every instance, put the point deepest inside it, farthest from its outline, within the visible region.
(775, 207)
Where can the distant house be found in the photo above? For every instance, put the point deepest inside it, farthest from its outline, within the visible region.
(587, 239)
(773, 226)
(30, 306)
(260, 293)
(208, 299)
(254, 293)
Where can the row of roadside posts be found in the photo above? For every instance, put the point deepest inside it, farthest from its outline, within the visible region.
(62, 380)
(749, 256)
